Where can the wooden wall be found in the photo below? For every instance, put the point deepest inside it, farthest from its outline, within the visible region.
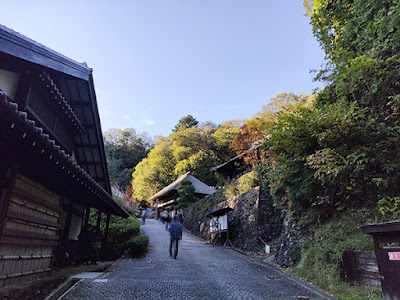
(360, 267)
(30, 232)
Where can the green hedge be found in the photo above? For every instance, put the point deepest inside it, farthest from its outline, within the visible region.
(138, 245)
(121, 230)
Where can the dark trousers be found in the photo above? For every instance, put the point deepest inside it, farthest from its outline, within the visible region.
(174, 243)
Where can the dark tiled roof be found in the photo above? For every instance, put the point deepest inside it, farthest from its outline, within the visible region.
(59, 98)
(60, 157)
(23, 47)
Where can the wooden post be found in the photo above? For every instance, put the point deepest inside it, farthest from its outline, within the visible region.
(98, 222)
(65, 244)
(106, 231)
(156, 216)
(86, 220)
(6, 195)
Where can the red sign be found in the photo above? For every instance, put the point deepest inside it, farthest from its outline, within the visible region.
(394, 255)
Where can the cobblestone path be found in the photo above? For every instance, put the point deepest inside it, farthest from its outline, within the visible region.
(200, 272)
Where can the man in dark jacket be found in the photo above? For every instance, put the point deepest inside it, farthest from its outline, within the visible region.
(175, 232)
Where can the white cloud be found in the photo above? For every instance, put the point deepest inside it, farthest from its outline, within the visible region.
(126, 118)
(150, 122)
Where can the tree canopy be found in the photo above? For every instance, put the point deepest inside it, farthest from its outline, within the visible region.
(342, 151)
(186, 122)
(193, 149)
(124, 150)
(186, 194)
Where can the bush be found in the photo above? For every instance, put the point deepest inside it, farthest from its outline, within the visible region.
(322, 253)
(121, 230)
(113, 251)
(138, 245)
(242, 185)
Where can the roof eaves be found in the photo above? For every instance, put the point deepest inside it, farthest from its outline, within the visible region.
(61, 158)
(25, 48)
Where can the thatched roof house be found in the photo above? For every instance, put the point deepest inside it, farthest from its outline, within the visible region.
(169, 195)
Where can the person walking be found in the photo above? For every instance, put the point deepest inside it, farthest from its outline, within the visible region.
(144, 216)
(175, 232)
(164, 216)
(167, 220)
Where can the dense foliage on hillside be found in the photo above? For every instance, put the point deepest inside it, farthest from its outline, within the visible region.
(192, 149)
(124, 150)
(197, 148)
(342, 151)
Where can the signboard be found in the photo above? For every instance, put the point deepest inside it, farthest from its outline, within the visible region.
(394, 255)
(219, 223)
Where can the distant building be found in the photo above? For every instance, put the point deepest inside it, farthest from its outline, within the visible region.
(168, 196)
(52, 162)
(237, 166)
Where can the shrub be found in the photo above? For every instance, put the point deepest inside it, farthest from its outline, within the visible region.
(243, 184)
(138, 245)
(323, 252)
(113, 251)
(121, 230)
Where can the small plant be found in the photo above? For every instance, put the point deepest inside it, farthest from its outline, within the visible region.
(389, 207)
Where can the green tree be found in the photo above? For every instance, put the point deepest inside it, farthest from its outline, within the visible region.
(155, 171)
(186, 122)
(342, 152)
(124, 150)
(223, 136)
(193, 149)
(361, 42)
(186, 194)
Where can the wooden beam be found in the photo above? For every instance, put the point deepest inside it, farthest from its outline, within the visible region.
(23, 90)
(98, 221)
(29, 235)
(35, 199)
(67, 222)
(87, 214)
(5, 240)
(106, 231)
(30, 219)
(6, 196)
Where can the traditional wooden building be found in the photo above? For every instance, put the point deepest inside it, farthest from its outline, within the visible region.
(238, 165)
(52, 161)
(168, 196)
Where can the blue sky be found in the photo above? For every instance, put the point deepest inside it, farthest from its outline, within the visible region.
(156, 61)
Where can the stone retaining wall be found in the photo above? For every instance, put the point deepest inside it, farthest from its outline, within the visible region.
(290, 243)
(253, 217)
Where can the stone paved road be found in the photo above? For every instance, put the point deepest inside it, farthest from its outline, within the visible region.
(200, 272)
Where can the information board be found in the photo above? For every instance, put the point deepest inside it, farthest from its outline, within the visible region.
(218, 223)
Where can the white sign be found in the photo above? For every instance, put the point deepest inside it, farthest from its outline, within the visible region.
(218, 223)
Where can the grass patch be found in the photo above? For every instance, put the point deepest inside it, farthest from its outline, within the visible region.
(322, 253)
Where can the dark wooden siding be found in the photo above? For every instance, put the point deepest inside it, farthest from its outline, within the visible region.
(30, 233)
